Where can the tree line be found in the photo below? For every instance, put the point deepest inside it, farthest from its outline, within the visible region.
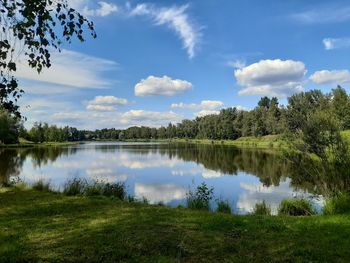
(306, 111)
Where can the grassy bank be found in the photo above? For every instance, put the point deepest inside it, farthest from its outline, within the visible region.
(31, 144)
(264, 142)
(38, 226)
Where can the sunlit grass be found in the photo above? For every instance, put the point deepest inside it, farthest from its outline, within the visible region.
(44, 226)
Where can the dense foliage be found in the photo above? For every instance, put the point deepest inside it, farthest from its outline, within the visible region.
(312, 116)
(308, 112)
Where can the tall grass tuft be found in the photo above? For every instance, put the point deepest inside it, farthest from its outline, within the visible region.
(262, 209)
(75, 186)
(116, 190)
(296, 207)
(223, 207)
(199, 200)
(339, 204)
(42, 186)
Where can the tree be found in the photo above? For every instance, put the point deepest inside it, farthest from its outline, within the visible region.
(9, 127)
(32, 29)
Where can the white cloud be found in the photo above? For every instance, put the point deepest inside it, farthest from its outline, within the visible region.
(175, 18)
(271, 78)
(203, 105)
(203, 113)
(105, 103)
(160, 192)
(161, 86)
(106, 119)
(237, 63)
(88, 8)
(70, 68)
(331, 76)
(336, 43)
(93, 107)
(323, 15)
(151, 118)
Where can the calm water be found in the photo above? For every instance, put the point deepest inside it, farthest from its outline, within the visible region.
(165, 172)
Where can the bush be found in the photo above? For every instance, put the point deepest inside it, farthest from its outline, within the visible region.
(75, 186)
(114, 189)
(200, 199)
(296, 207)
(262, 209)
(93, 189)
(42, 186)
(338, 204)
(223, 207)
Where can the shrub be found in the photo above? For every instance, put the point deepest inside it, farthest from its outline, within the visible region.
(262, 209)
(296, 207)
(223, 207)
(114, 189)
(200, 199)
(338, 204)
(75, 186)
(42, 186)
(93, 189)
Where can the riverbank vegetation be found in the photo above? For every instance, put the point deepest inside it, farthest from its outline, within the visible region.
(267, 120)
(45, 226)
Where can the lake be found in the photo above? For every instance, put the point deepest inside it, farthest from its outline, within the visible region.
(164, 172)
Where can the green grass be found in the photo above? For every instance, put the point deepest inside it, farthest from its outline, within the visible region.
(339, 204)
(296, 207)
(48, 227)
(262, 209)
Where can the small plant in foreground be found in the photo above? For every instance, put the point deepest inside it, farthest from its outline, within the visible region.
(223, 207)
(75, 186)
(114, 190)
(262, 209)
(42, 186)
(200, 198)
(338, 204)
(296, 207)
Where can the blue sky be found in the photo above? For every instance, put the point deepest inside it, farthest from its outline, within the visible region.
(162, 61)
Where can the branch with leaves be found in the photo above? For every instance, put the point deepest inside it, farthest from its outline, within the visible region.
(32, 29)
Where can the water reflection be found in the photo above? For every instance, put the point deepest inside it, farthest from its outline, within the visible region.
(165, 172)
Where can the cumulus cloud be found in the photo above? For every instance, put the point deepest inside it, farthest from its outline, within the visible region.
(70, 68)
(203, 113)
(88, 8)
(271, 78)
(152, 118)
(323, 15)
(336, 43)
(331, 77)
(161, 86)
(203, 105)
(105, 103)
(174, 17)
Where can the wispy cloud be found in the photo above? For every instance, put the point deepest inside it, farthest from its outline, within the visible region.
(90, 8)
(176, 18)
(203, 105)
(70, 68)
(336, 43)
(323, 15)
